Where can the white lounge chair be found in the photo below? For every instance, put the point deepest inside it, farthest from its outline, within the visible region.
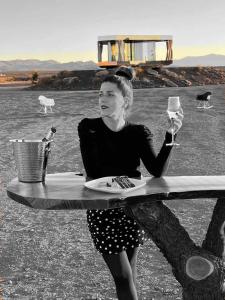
(46, 104)
(203, 100)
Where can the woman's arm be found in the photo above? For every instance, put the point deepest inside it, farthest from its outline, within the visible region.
(89, 150)
(155, 164)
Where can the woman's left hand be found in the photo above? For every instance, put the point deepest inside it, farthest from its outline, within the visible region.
(176, 123)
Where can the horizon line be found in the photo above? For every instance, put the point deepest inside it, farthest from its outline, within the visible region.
(91, 60)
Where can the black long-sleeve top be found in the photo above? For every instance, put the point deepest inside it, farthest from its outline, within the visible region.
(109, 153)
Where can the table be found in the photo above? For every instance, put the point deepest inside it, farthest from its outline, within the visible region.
(200, 270)
(67, 191)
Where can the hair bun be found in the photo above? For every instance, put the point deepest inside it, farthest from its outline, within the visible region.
(124, 71)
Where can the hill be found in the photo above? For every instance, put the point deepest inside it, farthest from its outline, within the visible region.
(145, 78)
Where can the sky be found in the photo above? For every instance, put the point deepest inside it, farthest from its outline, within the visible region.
(67, 30)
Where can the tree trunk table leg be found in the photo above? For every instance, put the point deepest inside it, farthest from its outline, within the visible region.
(200, 272)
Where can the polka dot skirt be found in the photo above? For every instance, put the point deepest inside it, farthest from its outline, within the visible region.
(113, 231)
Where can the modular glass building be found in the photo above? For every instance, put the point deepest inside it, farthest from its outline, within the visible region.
(134, 50)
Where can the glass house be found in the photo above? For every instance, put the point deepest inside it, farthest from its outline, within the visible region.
(135, 50)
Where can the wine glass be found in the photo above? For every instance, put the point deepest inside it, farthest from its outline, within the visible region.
(173, 108)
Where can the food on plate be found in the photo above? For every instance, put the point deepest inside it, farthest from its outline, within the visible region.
(121, 182)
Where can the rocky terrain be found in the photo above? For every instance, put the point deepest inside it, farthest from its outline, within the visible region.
(145, 78)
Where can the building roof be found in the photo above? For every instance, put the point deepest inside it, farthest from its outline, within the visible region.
(135, 37)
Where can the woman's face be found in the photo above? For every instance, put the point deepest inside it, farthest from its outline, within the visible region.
(111, 100)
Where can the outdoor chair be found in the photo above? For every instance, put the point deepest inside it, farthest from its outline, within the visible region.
(203, 100)
(46, 104)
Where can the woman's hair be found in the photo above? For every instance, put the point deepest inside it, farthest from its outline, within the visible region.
(122, 79)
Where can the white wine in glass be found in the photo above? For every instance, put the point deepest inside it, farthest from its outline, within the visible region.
(173, 108)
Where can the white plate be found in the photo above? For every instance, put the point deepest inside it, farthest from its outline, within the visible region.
(94, 185)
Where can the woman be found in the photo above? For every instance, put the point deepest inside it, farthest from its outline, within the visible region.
(112, 146)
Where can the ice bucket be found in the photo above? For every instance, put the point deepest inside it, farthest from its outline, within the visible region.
(31, 158)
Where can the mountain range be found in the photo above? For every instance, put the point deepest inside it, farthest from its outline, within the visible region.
(52, 65)
(45, 65)
(216, 60)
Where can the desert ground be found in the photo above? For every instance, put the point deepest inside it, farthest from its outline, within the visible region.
(49, 254)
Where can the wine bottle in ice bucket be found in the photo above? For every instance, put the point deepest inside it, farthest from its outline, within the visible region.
(50, 135)
(47, 139)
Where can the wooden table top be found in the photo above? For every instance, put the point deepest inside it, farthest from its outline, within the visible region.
(67, 191)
